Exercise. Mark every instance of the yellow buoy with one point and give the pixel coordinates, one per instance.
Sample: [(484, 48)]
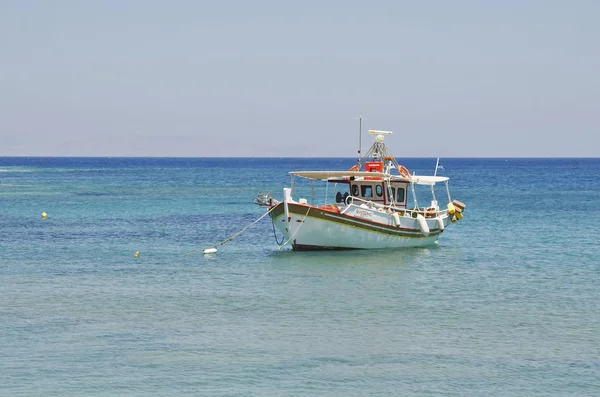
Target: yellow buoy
[(451, 208), (44, 215), (137, 253)]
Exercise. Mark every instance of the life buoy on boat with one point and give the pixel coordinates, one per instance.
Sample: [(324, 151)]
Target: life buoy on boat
[(404, 172), (355, 167)]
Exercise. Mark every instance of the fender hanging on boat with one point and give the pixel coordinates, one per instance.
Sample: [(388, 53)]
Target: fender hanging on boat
[(423, 224), (440, 222)]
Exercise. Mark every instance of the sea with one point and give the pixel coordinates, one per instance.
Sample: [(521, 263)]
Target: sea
[(506, 304)]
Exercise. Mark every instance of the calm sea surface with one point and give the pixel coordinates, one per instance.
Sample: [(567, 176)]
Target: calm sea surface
[(507, 304)]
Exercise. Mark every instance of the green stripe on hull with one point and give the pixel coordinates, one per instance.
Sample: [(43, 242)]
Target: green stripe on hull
[(328, 216)]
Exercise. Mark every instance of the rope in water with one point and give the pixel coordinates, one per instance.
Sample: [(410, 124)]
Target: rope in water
[(236, 234)]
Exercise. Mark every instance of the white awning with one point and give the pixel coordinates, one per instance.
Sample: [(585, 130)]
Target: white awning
[(325, 175), (428, 180)]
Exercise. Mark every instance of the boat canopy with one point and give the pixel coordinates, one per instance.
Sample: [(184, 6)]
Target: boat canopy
[(325, 175), (427, 180)]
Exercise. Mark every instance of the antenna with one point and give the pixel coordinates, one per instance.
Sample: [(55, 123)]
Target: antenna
[(360, 119), (359, 136)]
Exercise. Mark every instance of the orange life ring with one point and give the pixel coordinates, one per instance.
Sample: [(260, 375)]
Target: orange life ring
[(355, 168), (404, 172)]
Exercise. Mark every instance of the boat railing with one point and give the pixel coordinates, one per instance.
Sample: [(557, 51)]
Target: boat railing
[(429, 212)]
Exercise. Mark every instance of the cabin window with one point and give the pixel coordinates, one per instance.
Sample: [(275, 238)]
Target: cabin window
[(355, 190), (401, 194), (378, 190), (400, 198), (367, 190)]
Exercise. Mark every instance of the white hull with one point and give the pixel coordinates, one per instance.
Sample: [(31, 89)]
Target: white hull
[(311, 228)]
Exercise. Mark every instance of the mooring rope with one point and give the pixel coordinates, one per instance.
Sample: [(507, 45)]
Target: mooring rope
[(275, 233), (234, 235)]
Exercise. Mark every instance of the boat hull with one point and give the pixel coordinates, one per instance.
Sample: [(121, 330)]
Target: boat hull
[(312, 228)]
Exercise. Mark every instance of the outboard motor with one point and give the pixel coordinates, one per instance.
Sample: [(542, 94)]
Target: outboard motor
[(263, 200)]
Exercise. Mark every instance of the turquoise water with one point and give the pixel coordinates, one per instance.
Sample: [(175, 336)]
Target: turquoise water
[(508, 303)]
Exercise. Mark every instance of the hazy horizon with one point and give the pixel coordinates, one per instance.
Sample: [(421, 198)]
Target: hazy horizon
[(270, 79)]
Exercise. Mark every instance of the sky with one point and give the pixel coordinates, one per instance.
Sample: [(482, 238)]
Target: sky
[(290, 78)]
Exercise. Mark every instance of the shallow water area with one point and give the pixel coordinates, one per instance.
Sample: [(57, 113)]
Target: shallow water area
[(506, 304)]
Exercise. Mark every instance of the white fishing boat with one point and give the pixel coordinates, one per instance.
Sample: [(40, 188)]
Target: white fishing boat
[(373, 205)]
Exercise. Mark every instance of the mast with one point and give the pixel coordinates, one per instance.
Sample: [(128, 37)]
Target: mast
[(359, 136)]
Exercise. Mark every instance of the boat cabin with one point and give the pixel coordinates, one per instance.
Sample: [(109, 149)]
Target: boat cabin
[(371, 189)]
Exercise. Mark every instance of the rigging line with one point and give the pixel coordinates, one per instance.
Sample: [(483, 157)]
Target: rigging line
[(293, 234), (236, 234)]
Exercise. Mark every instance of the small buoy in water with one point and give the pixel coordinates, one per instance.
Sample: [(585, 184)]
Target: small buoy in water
[(209, 251), (137, 253), (44, 215)]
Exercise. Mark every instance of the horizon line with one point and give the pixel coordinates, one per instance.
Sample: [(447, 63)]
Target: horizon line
[(299, 157)]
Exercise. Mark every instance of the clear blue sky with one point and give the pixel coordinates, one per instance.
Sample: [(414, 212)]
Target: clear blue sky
[(282, 78)]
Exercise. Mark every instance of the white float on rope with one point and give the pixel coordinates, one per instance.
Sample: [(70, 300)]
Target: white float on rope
[(213, 250)]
